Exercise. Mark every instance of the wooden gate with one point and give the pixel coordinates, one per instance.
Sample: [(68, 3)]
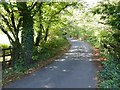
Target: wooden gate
[(7, 60)]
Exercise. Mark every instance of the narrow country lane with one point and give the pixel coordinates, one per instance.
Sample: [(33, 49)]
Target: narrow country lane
[(75, 69)]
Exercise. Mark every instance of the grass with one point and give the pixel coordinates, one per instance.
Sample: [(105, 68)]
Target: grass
[(1, 59), (42, 56)]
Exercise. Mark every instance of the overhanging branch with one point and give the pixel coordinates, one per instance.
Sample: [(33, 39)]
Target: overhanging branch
[(8, 24), (33, 6)]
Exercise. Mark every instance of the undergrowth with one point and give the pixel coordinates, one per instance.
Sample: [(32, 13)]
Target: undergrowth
[(109, 75)]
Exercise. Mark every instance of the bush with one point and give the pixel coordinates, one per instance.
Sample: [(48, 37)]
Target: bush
[(49, 49), (2, 46), (109, 76), (114, 83)]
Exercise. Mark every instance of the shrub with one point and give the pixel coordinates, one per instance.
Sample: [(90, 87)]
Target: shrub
[(2, 46), (109, 76), (49, 49)]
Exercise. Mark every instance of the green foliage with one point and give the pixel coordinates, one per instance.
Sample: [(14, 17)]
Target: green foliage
[(12, 74), (3, 46), (110, 84), (20, 20), (102, 30), (109, 15), (110, 75), (49, 49), (110, 11), (48, 20)]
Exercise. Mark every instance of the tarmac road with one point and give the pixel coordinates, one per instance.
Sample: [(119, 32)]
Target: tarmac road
[(75, 69)]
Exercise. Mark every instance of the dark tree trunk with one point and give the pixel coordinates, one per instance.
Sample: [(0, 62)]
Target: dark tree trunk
[(39, 37), (16, 53), (46, 34), (27, 34)]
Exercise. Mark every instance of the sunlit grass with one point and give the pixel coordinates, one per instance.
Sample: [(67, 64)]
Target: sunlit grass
[(7, 58), (1, 59)]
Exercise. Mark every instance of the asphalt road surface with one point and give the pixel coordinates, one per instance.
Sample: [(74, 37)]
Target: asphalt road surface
[(75, 69)]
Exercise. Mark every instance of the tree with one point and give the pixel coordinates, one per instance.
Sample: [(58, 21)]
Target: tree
[(27, 32), (18, 17), (10, 25), (39, 22), (48, 14), (109, 11)]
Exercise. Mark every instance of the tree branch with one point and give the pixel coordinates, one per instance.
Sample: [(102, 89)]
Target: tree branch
[(19, 24), (38, 7), (59, 11), (8, 24), (33, 6), (6, 7), (13, 21), (62, 9)]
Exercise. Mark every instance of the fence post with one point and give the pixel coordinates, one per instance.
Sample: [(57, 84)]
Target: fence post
[(4, 62), (12, 63), (3, 58)]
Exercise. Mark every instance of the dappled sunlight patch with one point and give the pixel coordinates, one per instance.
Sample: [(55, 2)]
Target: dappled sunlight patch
[(90, 59), (89, 86), (74, 40), (77, 59), (60, 60), (55, 67), (46, 86), (75, 47), (77, 52), (51, 67), (82, 54), (64, 70), (85, 55), (73, 50), (66, 57), (86, 50), (50, 85), (71, 53)]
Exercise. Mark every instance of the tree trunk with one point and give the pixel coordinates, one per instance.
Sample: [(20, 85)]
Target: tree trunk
[(39, 37), (16, 53), (27, 35), (46, 34)]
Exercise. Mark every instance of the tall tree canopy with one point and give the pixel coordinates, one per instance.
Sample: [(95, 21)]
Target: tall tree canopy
[(28, 23)]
